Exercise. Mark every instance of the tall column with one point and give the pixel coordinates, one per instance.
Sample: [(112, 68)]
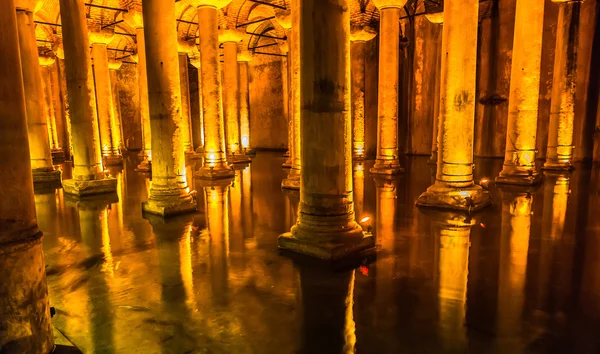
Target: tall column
[(292, 25), (111, 154), (186, 120), (387, 95), (116, 126), (194, 57), (37, 127), (559, 154), (215, 163), (359, 37), (243, 59), (168, 193), (50, 109), (454, 187), (287, 98), (88, 174), (231, 96), (25, 325), (436, 18), (519, 158), (326, 227)]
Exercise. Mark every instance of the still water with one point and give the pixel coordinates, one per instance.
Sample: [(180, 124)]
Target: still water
[(522, 276)]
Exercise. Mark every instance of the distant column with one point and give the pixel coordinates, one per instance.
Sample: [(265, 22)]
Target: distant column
[(244, 58)]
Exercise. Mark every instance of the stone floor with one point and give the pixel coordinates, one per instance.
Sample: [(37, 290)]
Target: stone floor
[(501, 281)]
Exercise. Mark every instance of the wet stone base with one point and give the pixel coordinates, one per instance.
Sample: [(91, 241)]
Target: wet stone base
[(330, 250), (85, 188)]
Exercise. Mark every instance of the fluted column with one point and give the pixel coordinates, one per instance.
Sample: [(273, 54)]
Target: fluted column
[(243, 60), (359, 37), (559, 155), (111, 153), (168, 193), (186, 120), (88, 173), (519, 158), (37, 126), (25, 325), (437, 18), (387, 95), (454, 187), (215, 163), (326, 227)]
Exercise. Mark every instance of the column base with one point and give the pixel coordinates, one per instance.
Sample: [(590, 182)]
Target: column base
[(250, 152), (358, 157), (471, 198), (85, 188), (193, 155), (144, 166), (287, 164), (220, 172), (292, 181), (113, 160), (58, 157), (170, 205), (386, 167), (345, 246), (45, 175), (558, 166), (519, 179), (238, 159)]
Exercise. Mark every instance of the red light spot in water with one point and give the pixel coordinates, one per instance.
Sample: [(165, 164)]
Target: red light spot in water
[(482, 225), (364, 270)]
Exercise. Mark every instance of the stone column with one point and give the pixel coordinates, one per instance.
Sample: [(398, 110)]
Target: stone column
[(291, 23), (111, 153), (186, 120), (287, 99), (519, 158), (559, 154), (215, 163), (243, 59), (387, 96), (231, 96), (326, 227), (168, 193), (194, 57), (359, 37), (88, 174), (25, 325), (50, 109), (117, 127), (37, 127), (436, 18), (454, 187)]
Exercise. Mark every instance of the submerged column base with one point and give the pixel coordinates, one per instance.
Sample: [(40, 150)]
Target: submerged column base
[(45, 175), (113, 159), (84, 188), (25, 325), (558, 166), (386, 167), (520, 178), (238, 158), (221, 171), (440, 195), (292, 181), (169, 202)]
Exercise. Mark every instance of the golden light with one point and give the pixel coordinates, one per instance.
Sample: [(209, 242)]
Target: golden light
[(245, 141), (365, 219)]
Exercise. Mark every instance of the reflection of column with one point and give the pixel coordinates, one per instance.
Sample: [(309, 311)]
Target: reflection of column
[(186, 120), (37, 127), (590, 278), (559, 154), (385, 213), (514, 246), (454, 187), (168, 193), (359, 189), (243, 60), (436, 18), (215, 163), (326, 226), (519, 159), (387, 97), (25, 325), (88, 175), (359, 37)]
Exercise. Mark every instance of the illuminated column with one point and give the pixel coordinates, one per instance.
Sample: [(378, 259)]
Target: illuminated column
[(559, 154), (437, 18), (25, 325), (168, 193), (231, 96), (387, 95), (194, 57), (243, 59), (37, 127), (215, 163), (50, 109), (116, 126), (358, 37), (326, 227), (186, 119), (519, 158), (292, 26), (287, 98), (88, 174), (454, 187), (104, 98)]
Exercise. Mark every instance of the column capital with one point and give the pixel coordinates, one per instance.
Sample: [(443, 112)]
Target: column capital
[(229, 35), (28, 5), (436, 17), (134, 19), (100, 37), (194, 56), (114, 64), (383, 4), (219, 4), (185, 47), (244, 56), (362, 33), (46, 60)]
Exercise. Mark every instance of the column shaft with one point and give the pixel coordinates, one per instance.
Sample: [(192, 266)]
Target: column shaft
[(358, 99), (285, 83), (231, 90), (167, 195), (215, 164), (326, 227), (454, 187), (559, 154), (244, 105), (49, 109), (387, 101), (57, 120), (186, 123), (116, 126), (37, 127), (519, 159), (146, 152), (25, 325)]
